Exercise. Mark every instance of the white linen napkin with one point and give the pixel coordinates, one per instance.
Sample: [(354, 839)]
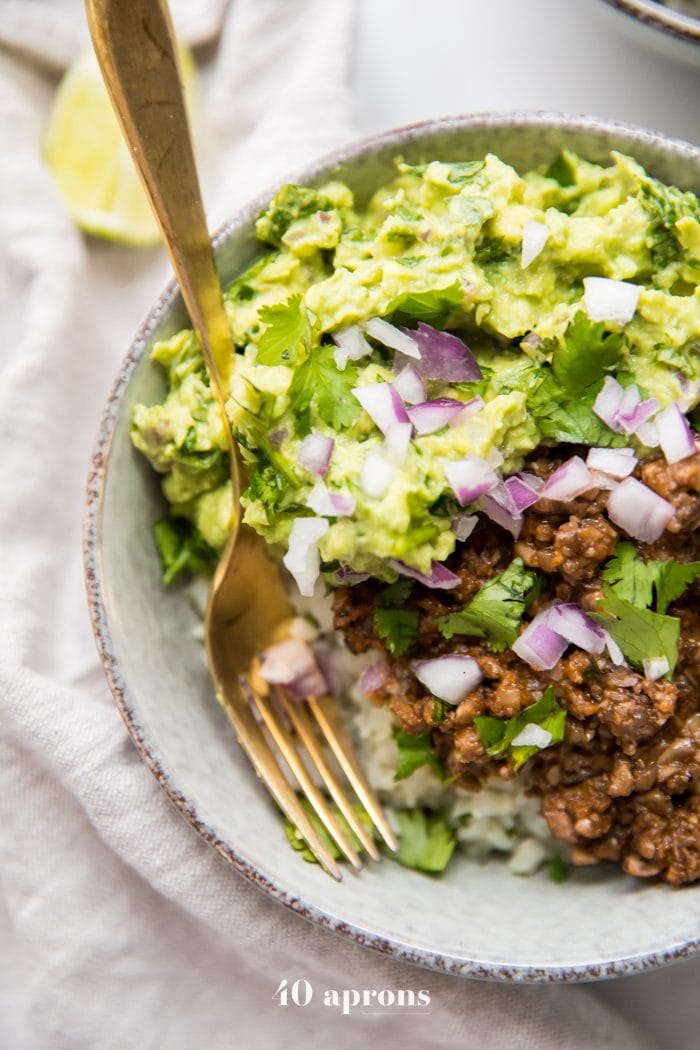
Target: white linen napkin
[(119, 926)]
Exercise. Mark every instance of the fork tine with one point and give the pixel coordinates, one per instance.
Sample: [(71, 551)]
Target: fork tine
[(340, 745), (287, 746), (299, 718), (252, 741)]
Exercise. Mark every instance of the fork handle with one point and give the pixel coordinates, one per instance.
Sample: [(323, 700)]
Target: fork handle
[(135, 47)]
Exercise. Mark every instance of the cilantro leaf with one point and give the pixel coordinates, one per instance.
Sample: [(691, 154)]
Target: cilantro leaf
[(665, 205), (558, 869), (266, 485), (432, 306), (426, 841), (297, 841), (562, 405), (640, 633), (290, 203), (497, 734), (396, 593), (439, 712), (562, 170), (287, 327), (397, 627), (635, 580), (587, 354), (318, 379), (496, 610), (182, 548), (414, 752)]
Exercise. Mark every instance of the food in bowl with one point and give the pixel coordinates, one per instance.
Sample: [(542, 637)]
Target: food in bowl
[(467, 407)]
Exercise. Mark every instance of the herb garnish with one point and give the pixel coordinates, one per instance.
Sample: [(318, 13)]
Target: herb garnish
[(496, 610), (426, 840), (651, 582), (182, 549), (414, 752), (497, 734)]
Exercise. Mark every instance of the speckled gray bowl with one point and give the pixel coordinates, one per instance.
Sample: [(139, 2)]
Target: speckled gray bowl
[(478, 921), (663, 28)]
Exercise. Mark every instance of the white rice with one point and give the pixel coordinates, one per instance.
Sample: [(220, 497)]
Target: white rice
[(499, 819)]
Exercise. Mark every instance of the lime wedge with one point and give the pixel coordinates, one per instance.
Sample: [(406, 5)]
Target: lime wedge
[(90, 162)]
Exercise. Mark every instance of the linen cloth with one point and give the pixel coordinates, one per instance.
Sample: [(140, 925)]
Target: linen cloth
[(119, 926)]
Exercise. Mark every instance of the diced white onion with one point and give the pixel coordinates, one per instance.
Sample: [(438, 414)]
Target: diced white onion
[(391, 336), (535, 235), (449, 678), (608, 300), (639, 511), (377, 475), (532, 735), (675, 436), (655, 667)]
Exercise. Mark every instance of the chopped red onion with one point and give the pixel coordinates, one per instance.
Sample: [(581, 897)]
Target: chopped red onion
[(469, 410), (330, 504), (382, 403), (463, 525), (470, 478), (539, 645), (374, 676), (655, 667), (351, 345), (393, 337), (377, 475), (532, 735), (535, 236), (409, 385), (315, 452), (603, 481), (608, 401), (440, 578), (302, 558), (568, 481), (522, 494), (633, 412), (608, 300), (499, 506), (449, 678), (396, 442), (571, 623), (648, 434), (443, 356), (292, 664), (675, 436), (531, 480), (639, 511), (430, 416), (614, 651), (348, 577), (617, 462)]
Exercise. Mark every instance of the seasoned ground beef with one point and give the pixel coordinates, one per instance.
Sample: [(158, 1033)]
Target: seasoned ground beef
[(624, 785)]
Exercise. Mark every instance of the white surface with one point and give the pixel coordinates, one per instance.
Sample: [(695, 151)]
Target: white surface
[(425, 58)]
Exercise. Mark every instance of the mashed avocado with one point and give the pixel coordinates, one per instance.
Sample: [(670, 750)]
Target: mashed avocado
[(440, 244)]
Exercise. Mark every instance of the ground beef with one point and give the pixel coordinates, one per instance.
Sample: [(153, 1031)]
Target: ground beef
[(624, 785)]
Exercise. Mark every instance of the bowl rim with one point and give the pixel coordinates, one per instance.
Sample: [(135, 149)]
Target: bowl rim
[(99, 606), (658, 16)]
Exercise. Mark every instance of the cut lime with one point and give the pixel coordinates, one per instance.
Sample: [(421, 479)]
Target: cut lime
[(90, 161)]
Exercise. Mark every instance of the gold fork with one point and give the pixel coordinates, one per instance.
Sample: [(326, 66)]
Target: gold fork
[(248, 607)]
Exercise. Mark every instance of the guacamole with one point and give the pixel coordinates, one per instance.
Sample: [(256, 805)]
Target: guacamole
[(502, 262)]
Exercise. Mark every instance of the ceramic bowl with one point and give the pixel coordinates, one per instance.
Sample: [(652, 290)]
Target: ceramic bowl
[(597, 924), (667, 30)]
